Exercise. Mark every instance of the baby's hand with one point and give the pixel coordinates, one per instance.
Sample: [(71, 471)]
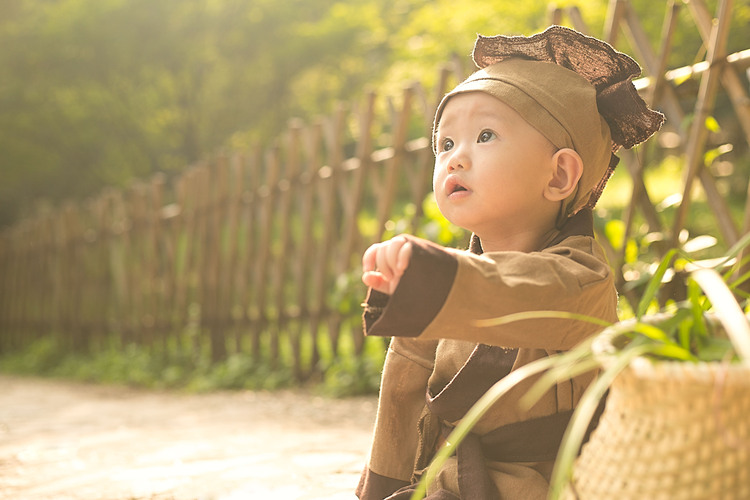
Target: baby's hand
[(384, 263)]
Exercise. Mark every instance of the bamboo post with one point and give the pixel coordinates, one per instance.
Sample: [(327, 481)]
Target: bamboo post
[(161, 254), (574, 14), (304, 257), (667, 35), (138, 277), (27, 305), (73, 278), (419, 151), (248, 168), (46, 286), (554, 14), (100, 293), (199, 180), (231, 269), (615, 13), (31, 256), (21, 282), (151, 196), (212, 196), (332, 130), (317, 246), (255, 200), (285, 256), (703, 107), (198, 188), (631, 25), (14, 291), (352, 193), (263, 262), (182, 270), (276, 262), (400, 128), (119, 256), (218, 242), (171, 219)]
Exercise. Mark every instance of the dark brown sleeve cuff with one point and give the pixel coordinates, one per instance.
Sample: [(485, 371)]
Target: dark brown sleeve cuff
[(376, 487), (420, 295)]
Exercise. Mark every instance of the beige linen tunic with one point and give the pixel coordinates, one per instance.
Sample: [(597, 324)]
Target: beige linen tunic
[(440, 362)]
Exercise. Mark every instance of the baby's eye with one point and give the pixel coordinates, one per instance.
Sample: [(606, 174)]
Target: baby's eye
[(486, 136), (446, 144)]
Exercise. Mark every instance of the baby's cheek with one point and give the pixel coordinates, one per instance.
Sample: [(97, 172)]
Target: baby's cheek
[(435, 177)]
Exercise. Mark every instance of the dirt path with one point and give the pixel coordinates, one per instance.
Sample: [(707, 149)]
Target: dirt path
[(63, 440)]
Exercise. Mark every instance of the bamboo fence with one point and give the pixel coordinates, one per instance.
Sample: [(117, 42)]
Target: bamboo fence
[(259, 251)]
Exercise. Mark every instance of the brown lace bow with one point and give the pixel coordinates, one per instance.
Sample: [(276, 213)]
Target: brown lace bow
[(610, 72)]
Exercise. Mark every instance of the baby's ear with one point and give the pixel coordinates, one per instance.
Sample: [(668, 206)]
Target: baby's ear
[(567, 170)]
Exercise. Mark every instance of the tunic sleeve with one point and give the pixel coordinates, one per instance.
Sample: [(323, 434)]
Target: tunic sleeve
[(443, 294)]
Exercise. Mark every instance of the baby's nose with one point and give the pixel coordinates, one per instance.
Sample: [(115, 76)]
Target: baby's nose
[(458, 161)]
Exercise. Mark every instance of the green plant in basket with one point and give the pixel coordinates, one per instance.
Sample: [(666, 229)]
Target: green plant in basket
[(677, 389)]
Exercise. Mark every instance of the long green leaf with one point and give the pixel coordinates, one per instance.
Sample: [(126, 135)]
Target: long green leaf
[(697, 308), (739, 280), (654, 283), (563, 369), (510, 318), (727, 309), (733, 252), (652, 332), (667, 346)]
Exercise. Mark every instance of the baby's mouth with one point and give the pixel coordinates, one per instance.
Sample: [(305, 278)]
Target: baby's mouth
[(453, 185)]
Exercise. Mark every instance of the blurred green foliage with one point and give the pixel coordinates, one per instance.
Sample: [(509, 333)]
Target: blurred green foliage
[(100, 92)]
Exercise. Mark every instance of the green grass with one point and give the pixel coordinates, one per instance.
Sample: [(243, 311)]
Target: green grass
[(341, 375)]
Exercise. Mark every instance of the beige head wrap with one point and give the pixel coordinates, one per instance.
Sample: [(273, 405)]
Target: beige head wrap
[(575, 90)]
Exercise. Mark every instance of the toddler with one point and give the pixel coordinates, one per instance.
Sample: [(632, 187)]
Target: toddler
[(523, 149)]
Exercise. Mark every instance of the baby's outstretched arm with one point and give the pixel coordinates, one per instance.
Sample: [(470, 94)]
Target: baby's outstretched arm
[(384, 263)]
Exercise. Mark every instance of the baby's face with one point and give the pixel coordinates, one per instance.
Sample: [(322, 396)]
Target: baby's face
[(491, 167)]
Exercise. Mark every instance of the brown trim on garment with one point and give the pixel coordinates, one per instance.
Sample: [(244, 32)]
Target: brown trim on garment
[(534, 440), (485, 366), (474, 481), (581, 224), (373, 486)]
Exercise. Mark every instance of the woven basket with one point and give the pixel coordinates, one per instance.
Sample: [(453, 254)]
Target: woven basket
[(670, 430)]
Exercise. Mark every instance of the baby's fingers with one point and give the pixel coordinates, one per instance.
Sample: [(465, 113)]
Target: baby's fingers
[(369, 258), (392, 249), (404, 256), (384, 263), (397, 252)]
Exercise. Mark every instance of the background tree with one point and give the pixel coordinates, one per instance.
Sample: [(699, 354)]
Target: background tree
[(99, 92)]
